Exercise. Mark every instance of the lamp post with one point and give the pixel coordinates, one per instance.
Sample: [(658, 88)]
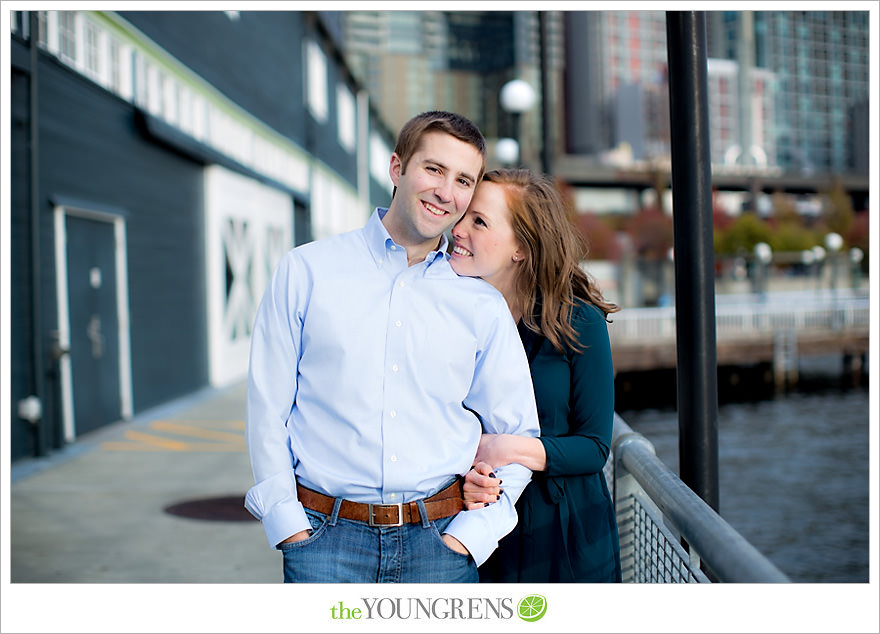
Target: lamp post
[(856, 255), (807, 258), (818, 260), (516, 97), (763, 255), (507, 151), (833, 242)]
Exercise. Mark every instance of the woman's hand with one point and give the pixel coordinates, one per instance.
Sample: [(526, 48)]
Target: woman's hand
[(480, 487)]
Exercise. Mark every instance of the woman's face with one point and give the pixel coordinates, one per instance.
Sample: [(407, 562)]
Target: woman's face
[(485, 245)]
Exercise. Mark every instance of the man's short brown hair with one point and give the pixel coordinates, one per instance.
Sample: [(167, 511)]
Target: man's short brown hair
[(460, 127)]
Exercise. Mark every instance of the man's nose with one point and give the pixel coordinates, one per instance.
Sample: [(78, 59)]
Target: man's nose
[(443, 191)]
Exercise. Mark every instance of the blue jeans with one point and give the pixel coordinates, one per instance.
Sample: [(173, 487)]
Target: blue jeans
[(347, 551)]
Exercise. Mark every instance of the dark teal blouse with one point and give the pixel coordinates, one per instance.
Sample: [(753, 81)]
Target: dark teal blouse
[(567, 531)]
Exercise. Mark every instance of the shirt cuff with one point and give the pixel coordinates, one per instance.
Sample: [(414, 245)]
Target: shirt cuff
[(275, 504), (477, 529)]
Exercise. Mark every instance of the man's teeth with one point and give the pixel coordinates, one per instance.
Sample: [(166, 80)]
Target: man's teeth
[(435, 210), (461, 251)]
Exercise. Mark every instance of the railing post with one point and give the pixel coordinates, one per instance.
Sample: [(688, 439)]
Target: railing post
[(697, 377)]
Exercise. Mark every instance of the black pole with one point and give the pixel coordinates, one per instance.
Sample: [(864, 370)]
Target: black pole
[(697, 377), (546, 97), (41, 432)]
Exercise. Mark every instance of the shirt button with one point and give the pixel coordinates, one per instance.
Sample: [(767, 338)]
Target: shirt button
[(393, 458), (393, 413), (402, 284), (393, 496), (394, 367), (397, 323)]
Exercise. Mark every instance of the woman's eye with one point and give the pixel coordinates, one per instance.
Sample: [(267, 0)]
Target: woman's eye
[(480, 221)]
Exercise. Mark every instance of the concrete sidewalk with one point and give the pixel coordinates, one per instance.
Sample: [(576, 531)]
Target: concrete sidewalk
[(154, 500)]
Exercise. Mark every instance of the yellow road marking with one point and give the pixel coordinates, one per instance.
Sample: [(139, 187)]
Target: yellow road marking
[(149, 439), (188, 447), (142, 441), (196, 432)]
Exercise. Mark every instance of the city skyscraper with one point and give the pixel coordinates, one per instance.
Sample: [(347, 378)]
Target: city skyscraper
[(411, 61), (788, 89)]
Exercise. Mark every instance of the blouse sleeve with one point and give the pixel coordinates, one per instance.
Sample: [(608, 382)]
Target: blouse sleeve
[(584, 450)]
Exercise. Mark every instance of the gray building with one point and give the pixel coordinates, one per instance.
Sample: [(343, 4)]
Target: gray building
[(820, 65), (788, 86), (161, 164)]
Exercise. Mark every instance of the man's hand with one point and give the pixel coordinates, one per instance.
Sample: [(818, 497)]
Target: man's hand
[(454, 544), (297, 537)]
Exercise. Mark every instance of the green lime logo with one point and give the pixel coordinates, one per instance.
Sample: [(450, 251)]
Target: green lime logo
[(532, 608)]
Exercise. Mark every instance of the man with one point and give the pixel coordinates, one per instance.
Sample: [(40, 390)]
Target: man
[(374, 370)]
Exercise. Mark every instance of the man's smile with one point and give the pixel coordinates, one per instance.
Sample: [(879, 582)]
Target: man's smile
[(434, 210)]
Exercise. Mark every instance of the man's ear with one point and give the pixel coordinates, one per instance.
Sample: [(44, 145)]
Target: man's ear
[(395, 169)]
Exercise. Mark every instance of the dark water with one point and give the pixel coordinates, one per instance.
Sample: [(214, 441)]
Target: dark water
[(793, 473)]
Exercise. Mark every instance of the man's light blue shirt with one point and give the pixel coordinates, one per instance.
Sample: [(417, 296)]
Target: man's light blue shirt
[(369, 380)]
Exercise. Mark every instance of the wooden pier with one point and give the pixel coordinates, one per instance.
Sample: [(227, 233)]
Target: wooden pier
[(778, 331)]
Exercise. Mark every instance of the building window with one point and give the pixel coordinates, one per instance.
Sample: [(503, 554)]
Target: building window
[(42, 28), (154, 89), (170, 99), (316, 76), (114, 71), (346, 113), (67, 35), (93, 59)]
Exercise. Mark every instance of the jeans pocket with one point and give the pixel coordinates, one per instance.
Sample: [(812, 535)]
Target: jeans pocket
[(437, 527), (318, 522)]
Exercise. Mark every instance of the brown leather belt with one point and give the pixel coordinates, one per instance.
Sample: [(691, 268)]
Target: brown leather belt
[(446, 503)]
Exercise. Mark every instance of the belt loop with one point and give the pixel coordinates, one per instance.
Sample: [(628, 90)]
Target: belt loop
[(423, 514), (334, 514)]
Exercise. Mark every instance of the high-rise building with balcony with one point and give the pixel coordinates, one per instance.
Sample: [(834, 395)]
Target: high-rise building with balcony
[(819, 66), (787, 88)]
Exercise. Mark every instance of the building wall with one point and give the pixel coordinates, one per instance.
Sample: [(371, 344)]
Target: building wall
[(192, 169), (91, 151), (251, 57)]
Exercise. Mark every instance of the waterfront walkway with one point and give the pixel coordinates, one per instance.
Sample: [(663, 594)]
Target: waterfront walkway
[(153, 500)]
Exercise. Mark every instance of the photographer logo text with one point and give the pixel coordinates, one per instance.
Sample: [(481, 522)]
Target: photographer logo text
[(530, 608)]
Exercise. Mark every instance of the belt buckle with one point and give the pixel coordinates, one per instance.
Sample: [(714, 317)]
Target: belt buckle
[(370, 516)]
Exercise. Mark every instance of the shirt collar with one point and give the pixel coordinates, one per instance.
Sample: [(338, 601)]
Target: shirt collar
[(379, 240), (377, 237)]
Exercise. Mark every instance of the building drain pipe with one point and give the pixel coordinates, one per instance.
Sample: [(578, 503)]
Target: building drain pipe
[(37, 412), (697, 374)]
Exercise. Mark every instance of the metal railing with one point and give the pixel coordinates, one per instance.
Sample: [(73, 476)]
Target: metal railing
[(657, 515), (736, 320)]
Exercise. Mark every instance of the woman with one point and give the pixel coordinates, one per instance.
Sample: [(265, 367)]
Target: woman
[(516, 236)]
